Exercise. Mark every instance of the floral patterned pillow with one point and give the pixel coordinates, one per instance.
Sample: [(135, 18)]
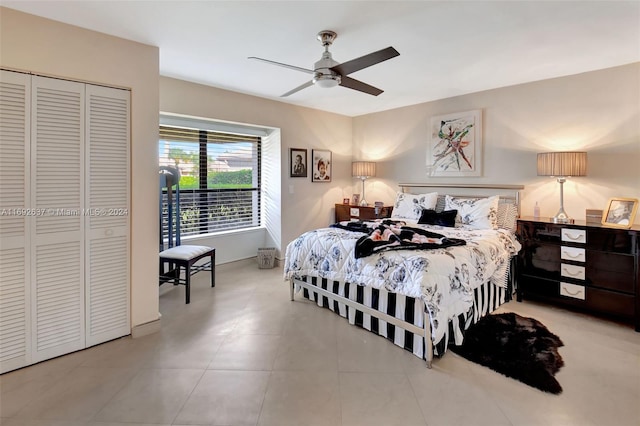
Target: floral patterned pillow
[(409, 207), (476, 213)]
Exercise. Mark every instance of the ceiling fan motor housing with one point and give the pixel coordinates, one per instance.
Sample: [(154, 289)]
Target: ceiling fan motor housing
[(323, 76)]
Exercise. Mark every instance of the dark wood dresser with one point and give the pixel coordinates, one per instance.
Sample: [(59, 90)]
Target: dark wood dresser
[(349, 212), (588, 267)]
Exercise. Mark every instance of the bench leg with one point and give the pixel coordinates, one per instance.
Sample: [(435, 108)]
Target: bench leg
[(213, 269), (187, 283)]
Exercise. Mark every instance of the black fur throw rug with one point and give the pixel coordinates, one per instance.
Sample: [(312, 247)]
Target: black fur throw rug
[(516, 346)]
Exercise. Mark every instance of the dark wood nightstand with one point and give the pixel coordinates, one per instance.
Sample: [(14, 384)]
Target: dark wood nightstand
[(589, 267), (348, 212)]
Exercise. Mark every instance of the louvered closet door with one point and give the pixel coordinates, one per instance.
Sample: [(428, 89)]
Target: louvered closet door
[(107, 224), (57, 250), (15, 344)]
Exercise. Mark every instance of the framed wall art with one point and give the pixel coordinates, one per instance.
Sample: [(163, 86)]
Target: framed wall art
[(297, 162), (455, 144), (620, 212), (321, 165)]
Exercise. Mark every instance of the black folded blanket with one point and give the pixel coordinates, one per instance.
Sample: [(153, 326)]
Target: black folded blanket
[(394, 235)]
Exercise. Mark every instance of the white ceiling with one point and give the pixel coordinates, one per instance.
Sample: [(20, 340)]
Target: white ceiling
[(446, 48)]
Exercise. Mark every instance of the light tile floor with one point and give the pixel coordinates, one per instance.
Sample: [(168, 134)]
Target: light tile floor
[(243, 354)]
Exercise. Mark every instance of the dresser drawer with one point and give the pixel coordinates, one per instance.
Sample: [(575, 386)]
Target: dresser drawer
[(572, 290), (573, 253), (572, 271), (594, 300), (574, 235), (612, 271)]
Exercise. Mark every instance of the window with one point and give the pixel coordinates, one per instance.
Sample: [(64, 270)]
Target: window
[(219, 178)]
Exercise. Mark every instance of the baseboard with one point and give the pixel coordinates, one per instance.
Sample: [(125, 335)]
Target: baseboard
[(146, 328)]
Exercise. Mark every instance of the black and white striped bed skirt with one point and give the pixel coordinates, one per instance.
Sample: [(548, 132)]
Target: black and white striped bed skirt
[(411, 310)]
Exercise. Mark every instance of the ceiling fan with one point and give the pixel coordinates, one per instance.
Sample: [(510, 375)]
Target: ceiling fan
[(329, 73)]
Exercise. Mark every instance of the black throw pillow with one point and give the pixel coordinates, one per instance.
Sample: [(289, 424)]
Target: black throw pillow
[(431, 217)]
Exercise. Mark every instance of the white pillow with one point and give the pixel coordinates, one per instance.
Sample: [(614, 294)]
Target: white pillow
[(481, 213), (409, 206)]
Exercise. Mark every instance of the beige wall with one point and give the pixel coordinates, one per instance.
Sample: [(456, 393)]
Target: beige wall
[(30, 43), (311, 204), (598, 112)]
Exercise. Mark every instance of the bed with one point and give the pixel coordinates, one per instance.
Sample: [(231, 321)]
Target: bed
[(424, 291)]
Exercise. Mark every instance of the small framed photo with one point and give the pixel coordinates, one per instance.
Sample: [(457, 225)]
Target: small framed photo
[(345, 201), (321, 165), (355, 199), (298, 162), (620, 212)]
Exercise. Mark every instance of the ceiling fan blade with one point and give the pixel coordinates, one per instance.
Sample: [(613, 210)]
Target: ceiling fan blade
[(282, 65), (354, 84), (297, 89), (365, 61)]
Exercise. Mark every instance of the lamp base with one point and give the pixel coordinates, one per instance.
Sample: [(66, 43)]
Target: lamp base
[(562, 216), (363, 203)]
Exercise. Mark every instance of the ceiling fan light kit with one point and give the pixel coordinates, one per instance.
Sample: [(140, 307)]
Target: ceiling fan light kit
[(329, 73), (326, 81)]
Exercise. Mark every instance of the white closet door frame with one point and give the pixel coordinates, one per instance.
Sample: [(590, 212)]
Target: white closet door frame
[(107, 198), (15, 307), (57, 249)]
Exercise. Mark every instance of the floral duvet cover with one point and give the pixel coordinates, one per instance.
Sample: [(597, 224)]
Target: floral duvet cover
[(444, 278)]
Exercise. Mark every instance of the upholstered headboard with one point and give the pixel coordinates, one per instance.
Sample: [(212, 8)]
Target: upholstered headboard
[(508, 193)]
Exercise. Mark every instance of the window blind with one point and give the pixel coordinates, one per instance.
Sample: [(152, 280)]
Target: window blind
[(219, 178)]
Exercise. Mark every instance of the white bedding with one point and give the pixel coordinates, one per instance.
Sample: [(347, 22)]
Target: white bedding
[(443, 278)]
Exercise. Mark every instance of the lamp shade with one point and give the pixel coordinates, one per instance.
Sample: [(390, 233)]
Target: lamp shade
[(363, 169), (562, 164)]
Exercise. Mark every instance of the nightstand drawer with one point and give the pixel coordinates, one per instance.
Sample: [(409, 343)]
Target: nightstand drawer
[(572, 290), (572, 271), (574, 235), (346, 212), (573, 253)]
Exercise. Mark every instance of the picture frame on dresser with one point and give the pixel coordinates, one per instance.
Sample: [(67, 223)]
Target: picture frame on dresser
[(620, 212)]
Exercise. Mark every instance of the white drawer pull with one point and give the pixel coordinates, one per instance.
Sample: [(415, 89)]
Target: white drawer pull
[(574, 235), (572, 290), (571, 273), (573, 253)]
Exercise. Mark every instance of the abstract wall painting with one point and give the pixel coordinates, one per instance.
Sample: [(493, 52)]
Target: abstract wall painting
[(455, 145)]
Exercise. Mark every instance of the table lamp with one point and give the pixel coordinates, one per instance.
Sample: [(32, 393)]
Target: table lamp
[(363, 170), (562, 165)]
